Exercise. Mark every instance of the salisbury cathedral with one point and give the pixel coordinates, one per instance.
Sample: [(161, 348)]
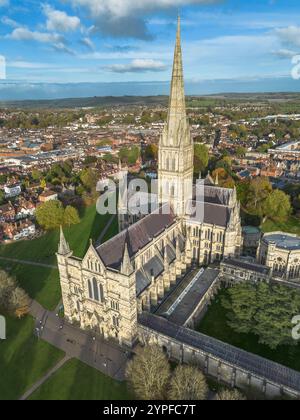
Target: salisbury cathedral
[(131, 273)]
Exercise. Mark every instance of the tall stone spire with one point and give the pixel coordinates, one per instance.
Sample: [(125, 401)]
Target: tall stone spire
[(63, 248), (176, 148), (126, 267), (177, 108)]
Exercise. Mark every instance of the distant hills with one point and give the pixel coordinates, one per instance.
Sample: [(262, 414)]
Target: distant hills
[(109, 101)]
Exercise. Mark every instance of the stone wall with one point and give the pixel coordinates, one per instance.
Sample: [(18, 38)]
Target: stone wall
[(224, 363)]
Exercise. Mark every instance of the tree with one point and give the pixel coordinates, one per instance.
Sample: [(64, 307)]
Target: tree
[(241, 151), (36, 175), (264, 310), (7, 285), (50, 215), (149, 373), (19, 302), (277, 205), (151, 152), (188, 383), (225, 163), (88, 179), (71, 216), (230, 395), (2, 197), (241, 306), (12, 298), (43, 183), (129, 155), (224, 180), (201, 158), (259, 190)]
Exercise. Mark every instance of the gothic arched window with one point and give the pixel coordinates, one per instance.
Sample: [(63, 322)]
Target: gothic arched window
[(101, 293), (174, 165), (91, 296), (96, 290), (172, 191)]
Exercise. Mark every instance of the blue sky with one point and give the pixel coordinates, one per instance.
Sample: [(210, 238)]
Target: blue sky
[(228, 45)]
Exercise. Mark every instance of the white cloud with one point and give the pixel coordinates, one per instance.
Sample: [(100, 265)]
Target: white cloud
[(24, 34), (87, 42), (4, 3), (290, 35), (127, 18), (285, 53), (124, 8), (138, 66), (9, 22), (59, 21)]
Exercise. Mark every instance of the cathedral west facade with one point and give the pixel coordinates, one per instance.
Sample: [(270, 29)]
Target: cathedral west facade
[(131, 273)]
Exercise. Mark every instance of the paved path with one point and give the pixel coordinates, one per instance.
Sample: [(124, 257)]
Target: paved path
[(103, 233), (107, 357), (44, 379), (33, 263)]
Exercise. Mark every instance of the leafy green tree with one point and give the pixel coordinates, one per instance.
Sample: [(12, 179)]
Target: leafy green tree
[(201, 158), (188, 383), (36, 175), (50, 215), (88, 179), (241, 151), (241, 306), (264, 310), (259, 190), (277, 205), (151, 151), (148, 373), (71, 216), (2, 197), (129, 155)]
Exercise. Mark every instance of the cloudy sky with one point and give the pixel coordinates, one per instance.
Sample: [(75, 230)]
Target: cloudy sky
[(227, 44)]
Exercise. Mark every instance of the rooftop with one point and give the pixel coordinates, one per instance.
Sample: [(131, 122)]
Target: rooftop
[(137, 236), (283, 240)]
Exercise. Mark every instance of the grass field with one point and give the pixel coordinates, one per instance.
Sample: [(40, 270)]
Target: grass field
[(112, 231), (291, 225), (77, 381), (23, 359), (41, 284), (44, 249), (214, 324)]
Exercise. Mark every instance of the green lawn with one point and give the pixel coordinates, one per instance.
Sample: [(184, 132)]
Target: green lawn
[(23, 359), (41, 284), (291, 225), (77, 381), (214, 324), (112, 231), (44, 248)]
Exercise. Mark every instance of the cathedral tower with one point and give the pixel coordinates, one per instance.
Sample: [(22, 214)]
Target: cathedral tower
[(176, 149)]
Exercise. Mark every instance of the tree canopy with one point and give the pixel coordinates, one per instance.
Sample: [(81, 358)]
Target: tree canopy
[(264, 310), (148, 373), (188, 383), (201, 158), (52, 215)]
